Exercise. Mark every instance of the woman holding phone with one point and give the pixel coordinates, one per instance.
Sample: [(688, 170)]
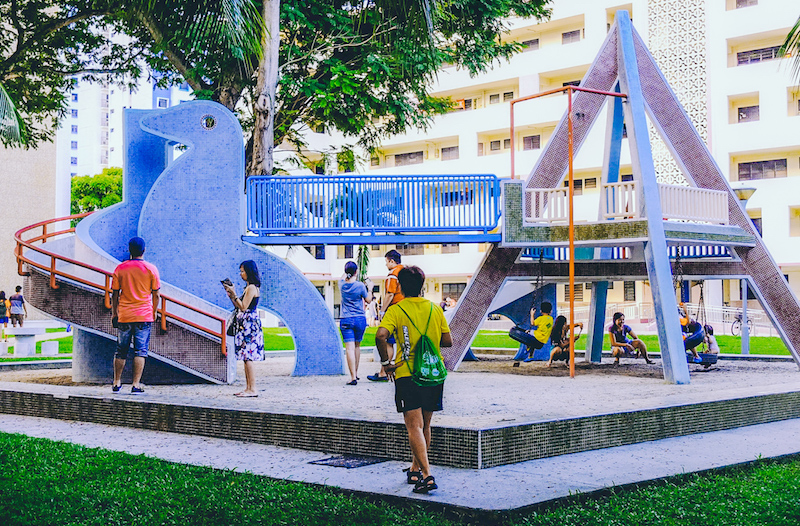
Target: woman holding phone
[(249, 339)]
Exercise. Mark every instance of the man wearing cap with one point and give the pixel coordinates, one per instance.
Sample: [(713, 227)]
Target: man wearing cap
[(134, 300)]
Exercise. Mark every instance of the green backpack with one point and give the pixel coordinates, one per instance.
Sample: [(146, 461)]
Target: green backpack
[(428, 368)]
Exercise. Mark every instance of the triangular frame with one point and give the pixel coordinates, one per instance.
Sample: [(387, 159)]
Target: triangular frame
[(624, 62)]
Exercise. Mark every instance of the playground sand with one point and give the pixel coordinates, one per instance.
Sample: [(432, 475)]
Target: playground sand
[(480, 394)]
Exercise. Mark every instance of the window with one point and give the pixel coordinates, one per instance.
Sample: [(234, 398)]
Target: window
[(73, 174), (578, 186), (74, 114), (319, 169), (453, 290), (375, 247), (578, 292), (318, 251), (748, 113), (494, 99), (480, 149), (745, 3), (74, 128), (506, 144), (794, 221), (762, 170), (532, 142), (531, 45), (411, 249), (624, 131), (571, 83), (494, 146), (319, 128), (405, 159), (73, 161), (626, 178), (757, 55), (348, 252), (450, 248), (184, 86), (73, 145), (375, 161), (468, 104), (508, 95), (320, 289), (590, 183), (758, 224), (74, 97), (162, 103), (450, 153), (629, 293), (571, 36)]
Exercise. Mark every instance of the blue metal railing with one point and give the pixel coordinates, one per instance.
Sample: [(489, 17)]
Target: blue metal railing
[(372, 204)]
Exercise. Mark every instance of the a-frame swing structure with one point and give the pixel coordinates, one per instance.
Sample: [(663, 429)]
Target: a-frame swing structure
[(640, 216)]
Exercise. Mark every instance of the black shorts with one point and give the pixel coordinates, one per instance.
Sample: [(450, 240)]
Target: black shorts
[(535, 344), (409, 396)]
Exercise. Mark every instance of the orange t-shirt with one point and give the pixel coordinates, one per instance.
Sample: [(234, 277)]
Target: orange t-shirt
[(393, 285), (136, 279)]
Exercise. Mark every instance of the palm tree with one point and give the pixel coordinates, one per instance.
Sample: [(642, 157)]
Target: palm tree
[(12, 129), (791, 48)]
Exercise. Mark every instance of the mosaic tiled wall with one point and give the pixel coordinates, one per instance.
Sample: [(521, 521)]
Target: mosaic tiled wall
[(463, 448), (677, 41), (79, 305)]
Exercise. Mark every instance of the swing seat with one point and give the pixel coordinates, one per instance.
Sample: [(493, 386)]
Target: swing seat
[(519, 334), (706, 359)]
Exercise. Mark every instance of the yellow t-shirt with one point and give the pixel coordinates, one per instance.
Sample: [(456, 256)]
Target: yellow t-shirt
[(544, 326), (397, 323)]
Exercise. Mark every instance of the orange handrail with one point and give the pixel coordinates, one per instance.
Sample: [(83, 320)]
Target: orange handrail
[(106, 276)]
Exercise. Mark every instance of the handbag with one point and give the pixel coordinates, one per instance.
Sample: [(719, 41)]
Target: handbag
[(233, 323)]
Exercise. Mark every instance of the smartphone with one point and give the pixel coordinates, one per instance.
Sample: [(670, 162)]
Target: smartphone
[(226, 281)]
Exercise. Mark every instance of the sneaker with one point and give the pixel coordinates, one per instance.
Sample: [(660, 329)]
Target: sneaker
[(698, 360), (116, 388), (137, 390), (378, 378)]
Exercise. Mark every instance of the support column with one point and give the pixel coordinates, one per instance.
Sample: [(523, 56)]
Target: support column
[(745, 329), (597, 317)]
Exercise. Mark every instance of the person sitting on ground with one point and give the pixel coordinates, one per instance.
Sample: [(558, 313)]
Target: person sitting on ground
[(559, 339), (711, 341), (543, 326), (624, 341)]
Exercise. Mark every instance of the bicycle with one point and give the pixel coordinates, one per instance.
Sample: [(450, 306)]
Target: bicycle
[(736, 326)]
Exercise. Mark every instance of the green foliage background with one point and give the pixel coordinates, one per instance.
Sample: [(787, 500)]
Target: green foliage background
[(93, 192)]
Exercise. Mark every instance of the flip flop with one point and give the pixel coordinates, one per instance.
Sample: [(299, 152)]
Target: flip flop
[(246, 395)]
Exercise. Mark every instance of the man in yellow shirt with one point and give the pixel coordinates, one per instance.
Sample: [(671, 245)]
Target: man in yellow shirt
[(417, 403)]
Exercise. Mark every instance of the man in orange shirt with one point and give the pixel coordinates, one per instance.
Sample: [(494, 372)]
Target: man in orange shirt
[(392, 296), (134, 300)]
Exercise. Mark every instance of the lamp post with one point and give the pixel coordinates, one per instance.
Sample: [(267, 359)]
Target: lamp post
[(744, 193)]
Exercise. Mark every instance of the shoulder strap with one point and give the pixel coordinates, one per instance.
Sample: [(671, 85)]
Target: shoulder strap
[(412, 321)]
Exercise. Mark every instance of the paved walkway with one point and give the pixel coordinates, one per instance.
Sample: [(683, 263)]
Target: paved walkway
[(505, 488)]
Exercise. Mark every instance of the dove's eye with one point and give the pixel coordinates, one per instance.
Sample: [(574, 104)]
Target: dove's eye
[(208, 122)]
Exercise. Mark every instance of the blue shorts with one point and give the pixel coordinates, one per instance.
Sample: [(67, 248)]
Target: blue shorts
[(353, 328), (137, 332)]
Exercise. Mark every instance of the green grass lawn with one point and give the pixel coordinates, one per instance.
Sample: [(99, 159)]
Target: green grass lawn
[(64, 347), (45, 482)]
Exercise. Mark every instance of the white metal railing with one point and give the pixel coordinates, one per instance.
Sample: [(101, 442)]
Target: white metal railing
[(619, 201), (549, 205), (622, 201), (690, 203)]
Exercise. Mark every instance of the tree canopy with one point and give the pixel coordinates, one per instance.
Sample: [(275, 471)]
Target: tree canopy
[(93, 192)]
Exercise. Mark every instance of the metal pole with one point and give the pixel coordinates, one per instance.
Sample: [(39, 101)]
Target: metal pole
[(571, 244), (745, 330), (512, 139)]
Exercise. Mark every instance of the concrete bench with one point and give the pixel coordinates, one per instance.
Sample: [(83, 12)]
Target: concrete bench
[(25, 339)]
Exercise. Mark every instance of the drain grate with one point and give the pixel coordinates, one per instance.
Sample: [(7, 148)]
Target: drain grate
[(348, 461)]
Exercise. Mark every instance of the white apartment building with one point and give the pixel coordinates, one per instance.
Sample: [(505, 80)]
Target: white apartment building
[(720, 56)]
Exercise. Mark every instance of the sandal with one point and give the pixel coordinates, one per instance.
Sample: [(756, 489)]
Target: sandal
[(413, 477), (425, 485)]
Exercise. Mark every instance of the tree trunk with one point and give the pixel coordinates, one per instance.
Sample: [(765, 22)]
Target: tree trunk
[(266, 87)]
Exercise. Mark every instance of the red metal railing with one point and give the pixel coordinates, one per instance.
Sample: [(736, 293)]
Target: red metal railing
[(104, 276)]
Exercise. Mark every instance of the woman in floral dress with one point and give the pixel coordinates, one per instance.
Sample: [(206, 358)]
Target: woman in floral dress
[(249, 339)]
